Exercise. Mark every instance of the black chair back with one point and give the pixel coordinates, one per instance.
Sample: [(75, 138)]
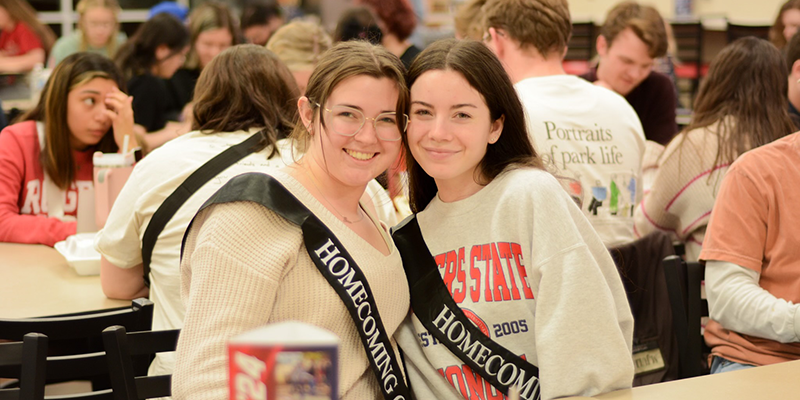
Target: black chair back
[(75, 350), (736, 31), (684, 285), (29, 357), (122, 347)]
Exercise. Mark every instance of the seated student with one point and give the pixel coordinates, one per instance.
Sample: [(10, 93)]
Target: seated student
[(212, 28), (46, 161), (792, 54), (98, 31), (24, 41), (786, 23), (228, 110), (300, 44), (631, 38), (484, 204), (589, 136), (396, 20), (741, 105), (154, 53), (260, 21), (245, 265), (752, 252)]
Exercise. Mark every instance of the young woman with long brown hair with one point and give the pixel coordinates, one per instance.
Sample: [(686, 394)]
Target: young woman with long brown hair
[(46, 160), (741, 105)]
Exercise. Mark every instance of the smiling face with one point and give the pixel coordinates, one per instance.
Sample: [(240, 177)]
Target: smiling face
[(624, 63), (210, 43), (86, 112), (352, 161), (449, 130), (99, 23)]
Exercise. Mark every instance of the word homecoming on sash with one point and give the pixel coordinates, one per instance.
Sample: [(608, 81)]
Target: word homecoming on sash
[(340, 268), (506, 372)]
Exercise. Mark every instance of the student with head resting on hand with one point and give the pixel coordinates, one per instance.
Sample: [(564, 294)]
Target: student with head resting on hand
[(24, 41), (46, 160), (247, 262), (228, 110), (741, 105), (506, 246), (98, 31), (153, 54)]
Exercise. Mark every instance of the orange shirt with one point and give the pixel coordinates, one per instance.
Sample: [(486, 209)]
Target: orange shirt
[(755, 225)]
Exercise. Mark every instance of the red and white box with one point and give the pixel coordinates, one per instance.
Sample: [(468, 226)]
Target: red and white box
[(285, 361)]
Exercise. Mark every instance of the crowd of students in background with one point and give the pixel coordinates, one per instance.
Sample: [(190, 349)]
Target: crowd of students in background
[(501, 156)]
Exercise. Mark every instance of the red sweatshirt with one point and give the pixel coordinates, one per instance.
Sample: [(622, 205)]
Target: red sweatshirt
[(23, 206)]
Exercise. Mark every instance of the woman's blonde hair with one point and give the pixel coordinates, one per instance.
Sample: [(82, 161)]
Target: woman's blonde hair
[(21, 11), (207, 16), (300, 44), (85, 5)]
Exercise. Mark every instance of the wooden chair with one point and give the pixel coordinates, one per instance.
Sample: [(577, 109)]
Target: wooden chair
[(28, 356), (75, 350), (684, 285), (122, 347)]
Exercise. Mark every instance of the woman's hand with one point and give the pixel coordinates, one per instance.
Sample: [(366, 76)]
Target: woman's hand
[(120, 111)]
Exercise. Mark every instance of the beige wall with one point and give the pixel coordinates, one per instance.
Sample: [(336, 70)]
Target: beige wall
[(747, 11)]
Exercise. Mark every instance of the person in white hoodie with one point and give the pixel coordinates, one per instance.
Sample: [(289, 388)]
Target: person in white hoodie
[(590, 136)]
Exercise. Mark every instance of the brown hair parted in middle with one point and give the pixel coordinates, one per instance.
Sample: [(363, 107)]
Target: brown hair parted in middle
[(481, 68), (776, 34), (645, 22), (71, 72), (542, 24), (346, 60), (246, 86)]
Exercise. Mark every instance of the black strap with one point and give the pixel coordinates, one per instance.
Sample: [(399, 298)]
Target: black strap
[(438, 312), (195, 181), (334, 263)]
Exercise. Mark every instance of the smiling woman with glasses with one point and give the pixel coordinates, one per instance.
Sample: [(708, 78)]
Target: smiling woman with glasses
[(98, 31), (247, 262)]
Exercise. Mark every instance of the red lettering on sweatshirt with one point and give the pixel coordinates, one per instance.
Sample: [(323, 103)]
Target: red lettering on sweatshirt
[(496, 273)]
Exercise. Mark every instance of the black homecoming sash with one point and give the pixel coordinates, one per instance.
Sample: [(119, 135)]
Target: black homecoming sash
[(334, 263), (435, 308)]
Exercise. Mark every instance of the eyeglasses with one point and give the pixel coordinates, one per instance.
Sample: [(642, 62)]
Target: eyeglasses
[(348, 121)]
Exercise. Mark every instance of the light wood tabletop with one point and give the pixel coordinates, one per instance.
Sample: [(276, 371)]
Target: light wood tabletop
[(777, 381), (36, 281)]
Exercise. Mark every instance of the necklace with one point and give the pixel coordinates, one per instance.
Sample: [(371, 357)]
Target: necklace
[(344, 218)]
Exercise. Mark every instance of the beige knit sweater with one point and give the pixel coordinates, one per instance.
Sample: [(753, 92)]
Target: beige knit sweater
[(244, 266), (683, 190)]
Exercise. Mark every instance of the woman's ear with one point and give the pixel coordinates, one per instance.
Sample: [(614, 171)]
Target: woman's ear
[(162, 52), (306, 111), (496, 129)]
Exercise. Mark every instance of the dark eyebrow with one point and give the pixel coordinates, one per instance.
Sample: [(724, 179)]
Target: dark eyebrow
[(89, 91), (424, 104)]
